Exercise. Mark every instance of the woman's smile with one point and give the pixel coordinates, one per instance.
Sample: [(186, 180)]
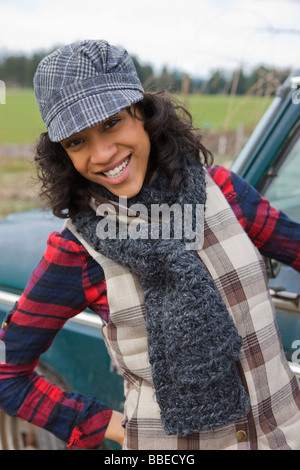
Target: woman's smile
[(118, 173), (114, 153)]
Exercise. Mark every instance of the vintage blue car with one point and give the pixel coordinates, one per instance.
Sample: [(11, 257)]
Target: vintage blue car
[(270, 161)]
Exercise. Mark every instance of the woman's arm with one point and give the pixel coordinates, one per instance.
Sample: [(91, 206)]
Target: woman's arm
[(115, 430), (271, 231), (64, 283)]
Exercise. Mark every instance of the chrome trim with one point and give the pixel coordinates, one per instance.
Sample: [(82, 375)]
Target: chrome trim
[(92, 320), (88, 319), (7, 298), (83, 318)]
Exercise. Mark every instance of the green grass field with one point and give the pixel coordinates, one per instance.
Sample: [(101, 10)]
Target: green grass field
[(20, 121), (222, 113)]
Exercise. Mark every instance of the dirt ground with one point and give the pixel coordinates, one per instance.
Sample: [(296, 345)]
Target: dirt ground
[(19, 188)]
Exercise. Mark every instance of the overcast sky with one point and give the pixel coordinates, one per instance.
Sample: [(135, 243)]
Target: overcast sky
[(195, 36)]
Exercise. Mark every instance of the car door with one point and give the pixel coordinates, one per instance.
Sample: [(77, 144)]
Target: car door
[(281, 186)]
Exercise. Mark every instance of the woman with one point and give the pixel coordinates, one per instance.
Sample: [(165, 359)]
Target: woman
[(189, 320)]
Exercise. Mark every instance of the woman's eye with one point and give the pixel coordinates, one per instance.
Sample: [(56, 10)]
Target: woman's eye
[(111, 123), (74, 142)]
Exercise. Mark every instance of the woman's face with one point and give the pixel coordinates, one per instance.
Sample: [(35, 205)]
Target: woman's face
[(114, 153)]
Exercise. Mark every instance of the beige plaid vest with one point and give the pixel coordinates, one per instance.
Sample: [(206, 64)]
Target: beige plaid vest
[(238, 271)]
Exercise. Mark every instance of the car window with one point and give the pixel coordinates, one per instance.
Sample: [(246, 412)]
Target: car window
[(283, 191)]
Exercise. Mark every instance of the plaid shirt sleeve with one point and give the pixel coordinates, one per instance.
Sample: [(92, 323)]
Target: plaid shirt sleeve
[(271, 231), (65, 282)]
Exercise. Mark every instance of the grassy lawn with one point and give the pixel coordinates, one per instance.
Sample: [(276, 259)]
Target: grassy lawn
[(20, 121), (224, 113)]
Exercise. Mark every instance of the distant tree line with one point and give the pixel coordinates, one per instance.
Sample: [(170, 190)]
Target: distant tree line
[(18, 70)]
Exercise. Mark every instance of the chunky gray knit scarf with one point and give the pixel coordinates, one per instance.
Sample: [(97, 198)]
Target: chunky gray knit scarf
[(193, 343)]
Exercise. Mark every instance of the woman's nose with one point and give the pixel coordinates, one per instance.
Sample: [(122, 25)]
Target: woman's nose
[(102, 150)]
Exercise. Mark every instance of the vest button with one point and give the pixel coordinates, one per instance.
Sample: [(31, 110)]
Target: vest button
[(241, 436)]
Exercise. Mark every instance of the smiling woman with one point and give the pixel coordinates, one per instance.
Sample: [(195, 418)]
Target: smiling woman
[(114, 153), (190, 328), (145, 144)]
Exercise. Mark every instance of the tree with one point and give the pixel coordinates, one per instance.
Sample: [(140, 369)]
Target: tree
[(18, 70), (145, 72), (216, 83)]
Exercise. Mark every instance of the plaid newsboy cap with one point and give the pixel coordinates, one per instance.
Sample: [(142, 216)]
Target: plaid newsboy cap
[(84, 83)]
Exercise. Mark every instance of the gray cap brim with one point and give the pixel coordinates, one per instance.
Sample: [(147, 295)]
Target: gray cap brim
[(89, 111)]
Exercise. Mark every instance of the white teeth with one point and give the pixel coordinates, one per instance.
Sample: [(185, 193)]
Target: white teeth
[(115, 172)]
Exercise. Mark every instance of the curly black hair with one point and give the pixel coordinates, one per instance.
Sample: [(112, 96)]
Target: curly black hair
[(172, 135)]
